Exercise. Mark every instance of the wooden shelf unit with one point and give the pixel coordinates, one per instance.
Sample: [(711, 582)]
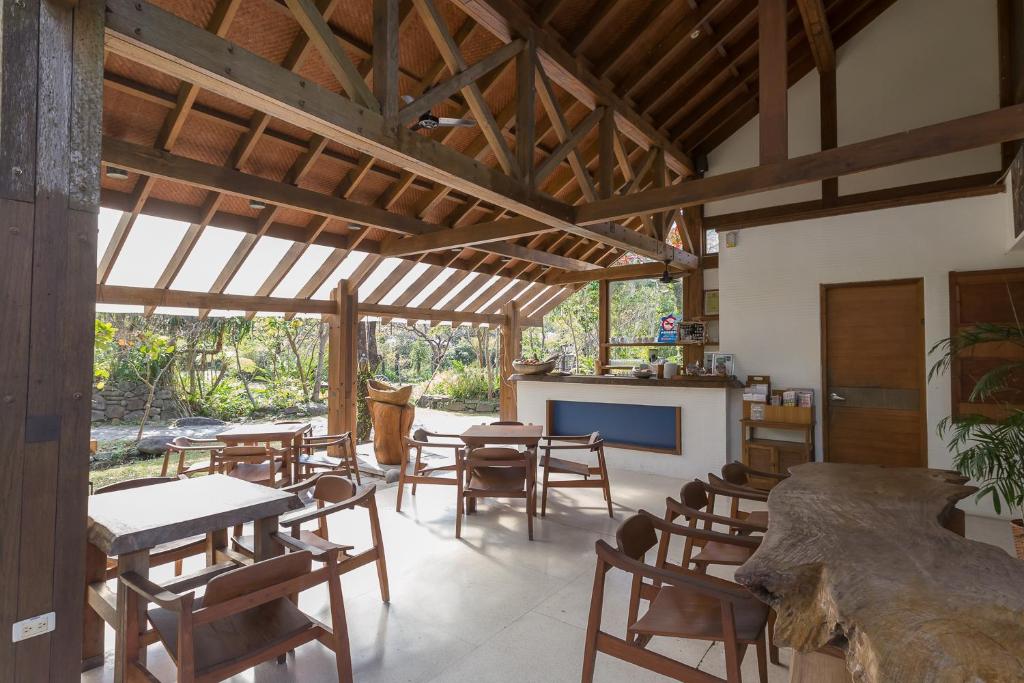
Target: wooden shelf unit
[(778, 455)]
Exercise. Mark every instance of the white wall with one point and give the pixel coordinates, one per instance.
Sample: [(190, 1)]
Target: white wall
[(920, 62)]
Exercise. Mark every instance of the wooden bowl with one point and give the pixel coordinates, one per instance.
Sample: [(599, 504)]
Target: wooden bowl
[(538, 369), (385, 393)]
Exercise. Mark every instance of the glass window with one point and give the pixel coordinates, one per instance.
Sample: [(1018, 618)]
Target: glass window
[(636, 309)]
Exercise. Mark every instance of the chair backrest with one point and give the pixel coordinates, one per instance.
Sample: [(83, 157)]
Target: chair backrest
[(493, 456), (331, 488), (636, 536), (420, 434), (694, 495), (249, 453), (735, 473), (256, 577), (181, 441), (133, 484)]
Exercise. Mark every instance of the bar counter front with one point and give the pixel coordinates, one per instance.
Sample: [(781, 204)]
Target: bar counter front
[(676, 427)]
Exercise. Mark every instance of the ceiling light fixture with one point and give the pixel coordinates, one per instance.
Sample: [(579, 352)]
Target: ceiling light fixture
[(257, 204), (695, 35), (117, 173), (355, 226)]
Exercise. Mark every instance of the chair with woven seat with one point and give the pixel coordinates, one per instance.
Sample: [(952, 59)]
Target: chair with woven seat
[(255, 464), (330, 494), (334, 452), (694, 506), (183, 446), (499, 473), (246, 616), (594, 476), (447, 474), (680, 604), (165, 553)]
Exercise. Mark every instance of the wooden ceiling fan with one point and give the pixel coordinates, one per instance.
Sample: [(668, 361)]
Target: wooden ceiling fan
[(429, 121)]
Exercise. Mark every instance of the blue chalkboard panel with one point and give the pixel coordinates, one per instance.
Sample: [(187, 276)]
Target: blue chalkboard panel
[(648, 428)]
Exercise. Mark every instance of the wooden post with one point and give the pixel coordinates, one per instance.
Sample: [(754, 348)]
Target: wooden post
[(343, 366), (693, 286), (606, 155), (526, 105), (772, 80), (51, 102), (385, 57), (603, 332), (511, 348), (829, 131)]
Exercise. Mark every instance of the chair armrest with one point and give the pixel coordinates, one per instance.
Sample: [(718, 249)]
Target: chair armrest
[(740, 525), (302, 485), (291, 543), (580, 437), (723, 488), (302, 516), (315, 441), (767, 475), (567, 447), (215, 444), (702, 583), (152, 592)]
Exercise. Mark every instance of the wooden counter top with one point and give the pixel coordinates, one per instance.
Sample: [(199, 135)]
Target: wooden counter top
[(860, 551), (627, 381)]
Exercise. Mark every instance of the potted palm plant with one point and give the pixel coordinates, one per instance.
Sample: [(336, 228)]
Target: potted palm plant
[(990, 451)]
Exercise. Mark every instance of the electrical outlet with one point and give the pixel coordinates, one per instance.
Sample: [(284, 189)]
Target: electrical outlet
[(33, 626)]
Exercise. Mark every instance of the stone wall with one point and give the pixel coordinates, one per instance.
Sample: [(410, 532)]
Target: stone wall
[(460, 406), (126, 402)]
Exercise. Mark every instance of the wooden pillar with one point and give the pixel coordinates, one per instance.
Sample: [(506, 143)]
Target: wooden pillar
[(772, 81), (343, 366), (511, 348), (51, 102), (526, 106), (829, 131), (385, 57), (1011, 62), (693, 286), (603, 332), (606, 155)]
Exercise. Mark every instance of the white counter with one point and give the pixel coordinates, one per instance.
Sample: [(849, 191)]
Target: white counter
[(704, 412)]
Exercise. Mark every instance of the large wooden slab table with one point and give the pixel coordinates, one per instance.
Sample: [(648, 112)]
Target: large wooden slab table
[(128, 524), (862, 552), (288, 434), (503, 435)]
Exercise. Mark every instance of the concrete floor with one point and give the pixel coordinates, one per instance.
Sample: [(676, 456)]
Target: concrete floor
[(491, 607)]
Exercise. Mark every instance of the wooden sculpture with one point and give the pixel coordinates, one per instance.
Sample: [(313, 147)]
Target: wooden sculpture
[(391, 424), (860, 552)]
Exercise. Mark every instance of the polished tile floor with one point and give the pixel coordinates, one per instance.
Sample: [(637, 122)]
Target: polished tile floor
[(491, 607)]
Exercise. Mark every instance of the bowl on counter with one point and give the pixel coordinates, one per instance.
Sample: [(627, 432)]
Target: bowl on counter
[(534, 368)]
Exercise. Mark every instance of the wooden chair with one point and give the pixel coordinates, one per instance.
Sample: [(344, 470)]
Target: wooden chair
[(256, 464), (681, 604), (721, 487), (332, 494), (499, 473), (694, 506), (184, 445), (246, 615), (165, 553), (738, 474), (315, 454), (592, 444), (422, 473)]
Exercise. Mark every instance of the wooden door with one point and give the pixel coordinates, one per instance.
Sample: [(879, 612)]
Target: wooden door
[(873, 373)]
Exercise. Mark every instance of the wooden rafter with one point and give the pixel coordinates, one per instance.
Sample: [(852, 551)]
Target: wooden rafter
[(961, 134), (386, 27), (556, 116), (818, 34), (568, 145), (772, 81)]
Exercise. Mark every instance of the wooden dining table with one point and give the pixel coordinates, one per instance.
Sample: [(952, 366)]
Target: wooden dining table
[(129, 524), (503, 435), (288, 434)]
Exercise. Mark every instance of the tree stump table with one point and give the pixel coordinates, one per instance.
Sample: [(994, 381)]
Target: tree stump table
[(391, 424), (860, 552)]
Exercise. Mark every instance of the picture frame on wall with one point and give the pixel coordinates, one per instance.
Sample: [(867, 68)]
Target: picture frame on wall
[(724, 364), (710, 302)]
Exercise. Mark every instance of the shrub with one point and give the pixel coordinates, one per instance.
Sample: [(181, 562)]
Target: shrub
[(464, 383)]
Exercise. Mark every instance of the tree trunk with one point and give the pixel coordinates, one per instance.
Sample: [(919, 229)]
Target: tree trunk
[(241, 375), (321, 347), (298, 364)]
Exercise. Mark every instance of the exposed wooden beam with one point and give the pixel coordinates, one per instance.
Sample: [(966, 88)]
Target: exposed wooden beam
[(438, 30), (339, 63), (525, 114), (631, 272), (606, 156), (153, 37), (969, 132), (978, 185), (462, 79), (385, 56), (556, 116), (568, 145), (173, 167), (818, 34), (176, 298), (597, 19), (431, 314), (468, 236), (772, 81), (507, 19), (516, 251), (829, 108)]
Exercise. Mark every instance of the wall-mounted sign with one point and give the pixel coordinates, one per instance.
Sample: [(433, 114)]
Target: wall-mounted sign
[(668, 332)]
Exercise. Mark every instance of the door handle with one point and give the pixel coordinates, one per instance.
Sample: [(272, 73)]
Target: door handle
[(835, 397)]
